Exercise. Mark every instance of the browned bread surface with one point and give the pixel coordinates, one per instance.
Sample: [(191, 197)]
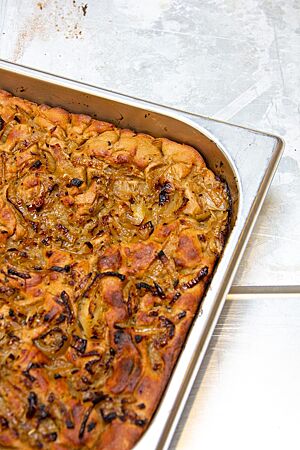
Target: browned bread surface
[(108, 239)]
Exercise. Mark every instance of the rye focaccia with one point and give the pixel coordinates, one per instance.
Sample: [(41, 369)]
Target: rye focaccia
[(108, 239)]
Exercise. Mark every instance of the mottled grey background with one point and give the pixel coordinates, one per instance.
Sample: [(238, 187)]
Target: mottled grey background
[(237, 60)]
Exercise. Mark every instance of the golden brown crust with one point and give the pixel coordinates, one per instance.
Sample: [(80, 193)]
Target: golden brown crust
[(108, 239)]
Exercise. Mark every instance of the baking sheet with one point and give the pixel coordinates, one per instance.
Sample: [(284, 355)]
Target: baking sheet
[(247, 159)]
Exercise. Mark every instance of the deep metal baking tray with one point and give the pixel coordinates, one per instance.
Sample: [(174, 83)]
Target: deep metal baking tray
[(247, 159)]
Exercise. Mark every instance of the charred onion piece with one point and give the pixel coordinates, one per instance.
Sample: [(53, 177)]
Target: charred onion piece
[(16, 273), (175, 297), (69, 424), (143, 285), (3, 423), (84, 421), (76, 182), (32, 405), (89, 245), (191, 283), (64, 300), (95, 397), (30, 366), (79, 344), (140, 422), (61, 269), (162, 256), (111, 274), (118, 337), (108, 418), (52, 343), (42, 413), (181, 315), (50, 437), (36, 165), (185, 201), (148, 226), (159, 291), (91, 426), (165, 190), (156, 289), (168, 324), (138, 338), (89, 365)]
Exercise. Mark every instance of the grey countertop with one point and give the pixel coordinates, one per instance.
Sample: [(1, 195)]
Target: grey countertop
[(238, 61)]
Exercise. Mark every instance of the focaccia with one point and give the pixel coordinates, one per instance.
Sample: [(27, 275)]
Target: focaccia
[(108, 239)]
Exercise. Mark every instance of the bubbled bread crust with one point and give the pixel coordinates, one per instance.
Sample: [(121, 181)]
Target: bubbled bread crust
[(108, 239)]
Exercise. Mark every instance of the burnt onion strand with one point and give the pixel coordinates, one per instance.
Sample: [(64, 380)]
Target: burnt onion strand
[(111, 274), (16, 273), (84, 422), (156, 290), (194, 281), (64, 300)]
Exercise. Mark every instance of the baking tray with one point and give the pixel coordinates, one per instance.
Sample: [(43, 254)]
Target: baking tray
[(247, 159)]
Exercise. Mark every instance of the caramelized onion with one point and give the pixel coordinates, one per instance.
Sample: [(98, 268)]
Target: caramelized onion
[(53, 343)]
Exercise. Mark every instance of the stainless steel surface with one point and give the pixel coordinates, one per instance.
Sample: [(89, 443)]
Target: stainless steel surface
[(236, 61), (222, 142), (246, 395), (232, 60)]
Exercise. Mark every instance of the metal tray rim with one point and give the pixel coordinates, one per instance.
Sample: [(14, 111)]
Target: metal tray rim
[(232, 253), (176, 114), (124, 98)]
